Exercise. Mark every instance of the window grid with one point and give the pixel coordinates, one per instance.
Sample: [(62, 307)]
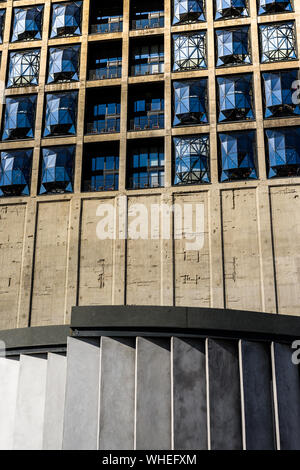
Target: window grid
[(127, 35)]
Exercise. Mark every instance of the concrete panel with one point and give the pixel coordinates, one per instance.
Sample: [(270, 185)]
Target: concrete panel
[(29, 418), (258, 406), (153, 394), (12, 219), (241, 250), (117, 394), (82, 395), (192, 265), (96, 258), (224, 395), (50, 266), (9, 376), (288, 397), (143, 283), (55, 402), (189, 394), (285, 203)]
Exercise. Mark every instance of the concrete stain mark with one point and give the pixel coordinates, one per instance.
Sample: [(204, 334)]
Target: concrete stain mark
[(284, 190), (233, 274), (191, 256), (101, 275), (188, 279), (233, 199)]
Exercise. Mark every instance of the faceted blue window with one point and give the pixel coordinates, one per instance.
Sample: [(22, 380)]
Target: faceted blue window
[(57, 170), (66, 19), (2, 21), (63, 64), (19, 118), (27, 23), (233, 46), (278, 94), (189, 51), (15, 172), (61, 114), (190, 102), (188, 11), (191, 165), (23, 68), (283, 152), (231, 9), (237, 156), (277, 42), (146, 165), (235, 98), (274, 6)]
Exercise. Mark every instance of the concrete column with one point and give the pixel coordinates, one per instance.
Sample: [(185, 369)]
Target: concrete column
[(189, 394), (153, 394), (82, 395), (214, 198), (117, 394), (55, 402), (9, 376), (29, 417), (168, 93), (124, 92), (224, 395), (287, 397), (256, 377)]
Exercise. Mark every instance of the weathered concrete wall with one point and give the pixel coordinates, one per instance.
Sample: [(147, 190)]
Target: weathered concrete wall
[(96, 259), (70, 264), (241, 249), (50, 264), (50, 256), (285, 202), (12, 226)]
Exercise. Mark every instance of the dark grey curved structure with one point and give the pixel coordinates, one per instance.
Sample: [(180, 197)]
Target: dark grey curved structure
[(152, 378)]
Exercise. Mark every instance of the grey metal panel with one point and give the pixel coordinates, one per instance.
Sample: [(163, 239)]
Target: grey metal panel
[(9, 376), (130, 316), (117, 394), (153, 394), (210, 319), (82, 395), (35, 336), (224, 395), (257, 390), (29, 418), (189, 394), (55, 402), (288, 397)]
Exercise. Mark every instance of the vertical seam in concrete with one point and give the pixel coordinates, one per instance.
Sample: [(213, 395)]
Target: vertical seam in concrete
[(273, 252)]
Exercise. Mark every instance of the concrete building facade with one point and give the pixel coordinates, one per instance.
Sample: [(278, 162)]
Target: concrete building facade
[(81, 82)]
